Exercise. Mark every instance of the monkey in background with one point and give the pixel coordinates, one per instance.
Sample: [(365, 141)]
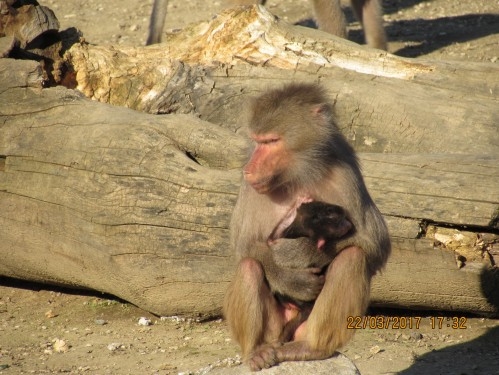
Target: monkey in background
[(157, 21), (299, 156), (328, 13)]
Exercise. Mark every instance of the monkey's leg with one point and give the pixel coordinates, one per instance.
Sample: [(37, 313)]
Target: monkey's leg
[(330, 17), (157, 21), (345, 294), (370, 15), (252, 312)]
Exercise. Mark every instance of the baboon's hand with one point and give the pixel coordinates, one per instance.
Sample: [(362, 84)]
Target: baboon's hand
[(263, 357)]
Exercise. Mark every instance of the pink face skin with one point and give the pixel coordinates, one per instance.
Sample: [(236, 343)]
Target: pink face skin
[(268, 158)]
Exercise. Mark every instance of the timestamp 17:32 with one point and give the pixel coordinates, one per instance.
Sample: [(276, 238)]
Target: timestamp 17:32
[(404, 322)]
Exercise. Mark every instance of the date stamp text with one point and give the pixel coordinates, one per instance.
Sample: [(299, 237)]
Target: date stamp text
[(405, 322)]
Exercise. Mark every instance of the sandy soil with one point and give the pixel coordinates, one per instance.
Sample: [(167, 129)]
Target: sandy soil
[(46, 330)]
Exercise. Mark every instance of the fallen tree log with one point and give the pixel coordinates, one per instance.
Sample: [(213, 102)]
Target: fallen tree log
[(137, 205), (384, 103)]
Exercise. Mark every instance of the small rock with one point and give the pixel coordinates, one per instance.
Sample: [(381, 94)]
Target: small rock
[(375, 350), (100, 322), (144, 321), (416, 335), (114, 346), (50, 314), (60, 346)]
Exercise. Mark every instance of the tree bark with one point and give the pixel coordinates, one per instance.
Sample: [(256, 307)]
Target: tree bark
[(384, 103), (138, 205)]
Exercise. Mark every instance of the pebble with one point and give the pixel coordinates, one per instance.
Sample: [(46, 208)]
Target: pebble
[(375, 350), (50, 314), (144, 321), (416, 335), (60, 346), (114, 346)]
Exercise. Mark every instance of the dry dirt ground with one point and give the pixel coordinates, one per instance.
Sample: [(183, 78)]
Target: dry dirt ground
[(45, 330)]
